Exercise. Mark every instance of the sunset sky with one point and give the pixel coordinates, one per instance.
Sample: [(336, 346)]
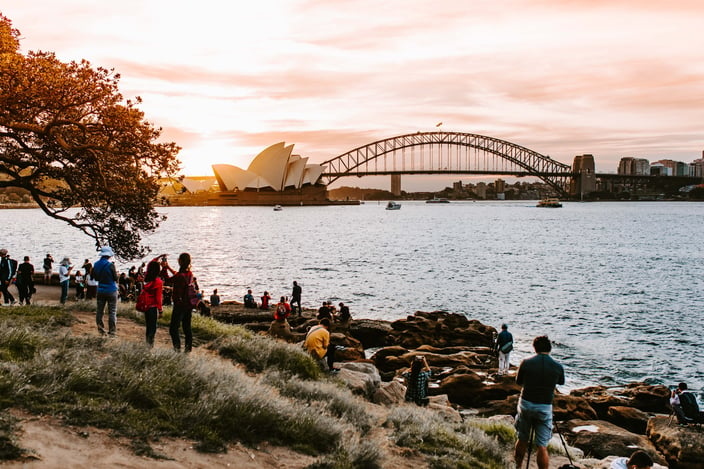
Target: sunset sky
[(227, 79)]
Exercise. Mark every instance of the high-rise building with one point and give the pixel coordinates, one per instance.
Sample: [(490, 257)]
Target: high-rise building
[(637, 166)]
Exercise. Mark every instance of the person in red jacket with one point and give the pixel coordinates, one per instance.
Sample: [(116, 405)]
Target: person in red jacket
[(153, 287)]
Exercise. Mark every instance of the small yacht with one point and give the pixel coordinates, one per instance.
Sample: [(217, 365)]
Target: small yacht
[(550, 202), (393, 206), (278, 208)]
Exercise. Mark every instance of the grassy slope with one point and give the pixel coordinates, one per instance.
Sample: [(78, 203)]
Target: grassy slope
[(274, 393)]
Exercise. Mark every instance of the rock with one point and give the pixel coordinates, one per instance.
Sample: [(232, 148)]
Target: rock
[(566, 407), (648, 398), (439, 329), (441, 405), (683, 447), (470, 390), (281, 330), (601, 439), (600, 399), (352, 351), (391, 393), (361, 378), (371, 333), (630, 418)]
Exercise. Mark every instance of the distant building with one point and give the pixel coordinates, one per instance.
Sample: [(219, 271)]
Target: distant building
[(634, 166), (480, 190), (500, 186), (696, 168), (674, 168)]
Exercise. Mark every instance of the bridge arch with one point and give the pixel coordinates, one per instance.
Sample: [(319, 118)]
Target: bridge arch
[(505, 158)]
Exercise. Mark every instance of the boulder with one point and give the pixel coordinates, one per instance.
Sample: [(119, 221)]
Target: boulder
[(387, 359), (441, 405), (600, 399), (471, 390), (630, 418), (391, 393), (566, 407), (682, 446), (352, 348), (280, 330), (439, 329), (648, 398), (600, 439), (361, 378), (371, 333)]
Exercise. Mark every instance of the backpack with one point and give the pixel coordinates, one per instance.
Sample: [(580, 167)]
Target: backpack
[(142, 302), (689, 406), (192, 293), (280, 312)]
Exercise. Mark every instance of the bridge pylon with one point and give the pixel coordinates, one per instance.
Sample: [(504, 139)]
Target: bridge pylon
[(396, 184)]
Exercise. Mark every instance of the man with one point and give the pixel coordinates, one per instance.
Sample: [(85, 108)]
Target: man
[(105, 273), (249, 300), (48, 262), (296, 298), (638, 460), (8, 270), (684, 405), (215, 298), (324, 312), (25, 280), (538, 375), (65, 268), (504, 345), (317, 343)]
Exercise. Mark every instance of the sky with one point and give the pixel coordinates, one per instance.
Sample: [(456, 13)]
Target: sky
[(225, 80)]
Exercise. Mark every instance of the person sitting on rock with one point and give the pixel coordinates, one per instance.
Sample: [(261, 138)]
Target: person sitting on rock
[(324, 312), (265, 300), (638, 460), (249, 300), (283, 310), (684, 405), (416, 379)]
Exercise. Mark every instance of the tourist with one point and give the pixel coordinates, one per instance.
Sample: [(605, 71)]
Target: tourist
[(47, 265), (684, 405), (25, 280), (79, 281), (296, 298), (265, 300), (324, 312), (153, 290), (183, 307), (166, 276), (105, 274), (283, 310), (64, 278), (91, 283), (538, 375), (416, 378), (8, 270), (317, 342), (215, 298), (123, 284), (638, 460), (249, 300), (344, 316), (504, 345)]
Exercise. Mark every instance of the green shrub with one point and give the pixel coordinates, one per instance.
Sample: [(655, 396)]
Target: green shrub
[(9, 448)]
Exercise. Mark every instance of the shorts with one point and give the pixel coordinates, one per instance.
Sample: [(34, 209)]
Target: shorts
[(538, 416)]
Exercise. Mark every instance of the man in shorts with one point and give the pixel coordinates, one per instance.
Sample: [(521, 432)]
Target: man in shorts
[(538, 375)]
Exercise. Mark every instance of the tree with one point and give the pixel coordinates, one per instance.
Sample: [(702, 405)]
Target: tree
[(86, 155)]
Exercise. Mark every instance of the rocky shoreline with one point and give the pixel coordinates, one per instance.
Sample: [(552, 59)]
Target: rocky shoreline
[(600, 421)]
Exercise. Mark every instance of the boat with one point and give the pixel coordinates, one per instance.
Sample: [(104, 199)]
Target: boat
[(550, 202), (437, 200), (278, 208), (393, 206)]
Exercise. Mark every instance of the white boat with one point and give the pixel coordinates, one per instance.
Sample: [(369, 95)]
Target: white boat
[(437, 200), (550, 202), (393, 206), (278, 208)]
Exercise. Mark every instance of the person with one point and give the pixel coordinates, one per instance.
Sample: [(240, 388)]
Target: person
[(8, 270), (105, 274), (344, 315), (416, 378), (79, 280), (638, 460), (167, 273), (25, 280), (283, 310), (91, 283), (538, 375), (249, 300), (215, 298), (317, 343), (296, 298), (46, 265), (265, 300), (153, 290), (183, 310), (684, 405), (123, 286), (324, 312), (504, 345), (64, 277)]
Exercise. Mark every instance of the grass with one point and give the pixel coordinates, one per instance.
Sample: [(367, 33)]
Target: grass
[(275, 394)]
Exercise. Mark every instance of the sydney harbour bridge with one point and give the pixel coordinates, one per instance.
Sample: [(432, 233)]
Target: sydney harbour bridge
[(463, 153)]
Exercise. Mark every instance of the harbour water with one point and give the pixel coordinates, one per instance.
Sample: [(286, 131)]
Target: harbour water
[(617, 286)]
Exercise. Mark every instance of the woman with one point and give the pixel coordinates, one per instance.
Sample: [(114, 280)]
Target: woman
[(417, 381), (183, 307), (153, 289), (64, 278), (80, 285), (283, 310), (265, 300)]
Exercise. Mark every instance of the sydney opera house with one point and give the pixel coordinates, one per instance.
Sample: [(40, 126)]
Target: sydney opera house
[(275, 176)]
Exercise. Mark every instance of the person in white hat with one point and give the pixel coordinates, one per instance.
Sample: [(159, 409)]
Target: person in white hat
[(105, 273), (64, 277)]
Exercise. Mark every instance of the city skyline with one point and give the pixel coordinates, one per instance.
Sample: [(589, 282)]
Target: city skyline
[(561, 78)]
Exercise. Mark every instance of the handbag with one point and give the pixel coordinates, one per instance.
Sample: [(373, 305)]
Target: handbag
[(507, 347)]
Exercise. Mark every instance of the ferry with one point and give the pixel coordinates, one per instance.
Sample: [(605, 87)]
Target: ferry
[(393, 206), (550, 202), (278, 208), (437, 200)]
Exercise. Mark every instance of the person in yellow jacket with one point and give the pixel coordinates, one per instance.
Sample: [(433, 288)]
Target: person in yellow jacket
[(317, 343)]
